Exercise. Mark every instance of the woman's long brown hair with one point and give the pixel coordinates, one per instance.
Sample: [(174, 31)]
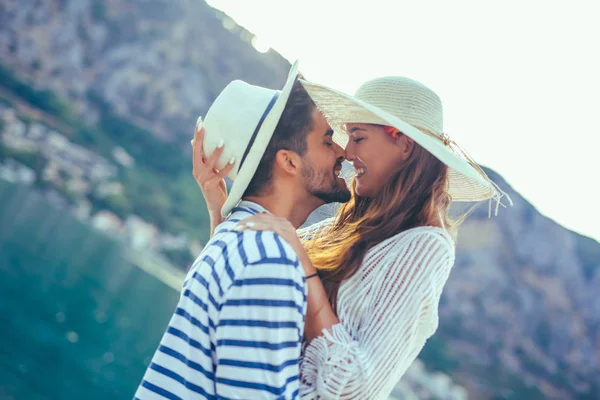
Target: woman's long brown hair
[(416, 196)]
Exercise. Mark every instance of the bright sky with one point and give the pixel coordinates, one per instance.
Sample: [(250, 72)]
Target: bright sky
[(520, 80)]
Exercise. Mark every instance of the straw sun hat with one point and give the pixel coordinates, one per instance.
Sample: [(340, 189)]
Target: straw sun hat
[(416, 111)]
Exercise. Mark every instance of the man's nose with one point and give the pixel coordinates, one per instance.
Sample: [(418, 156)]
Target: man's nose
[(348, 153), (340, 152)]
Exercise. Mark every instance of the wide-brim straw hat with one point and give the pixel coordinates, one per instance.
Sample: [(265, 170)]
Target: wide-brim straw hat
[(416, 111), (244, 116)]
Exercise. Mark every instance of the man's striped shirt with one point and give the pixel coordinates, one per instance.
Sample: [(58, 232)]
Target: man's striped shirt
[(237, 330)]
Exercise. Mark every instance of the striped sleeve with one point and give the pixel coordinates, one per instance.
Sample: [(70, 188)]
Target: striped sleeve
[(261, 324), (403, 315)]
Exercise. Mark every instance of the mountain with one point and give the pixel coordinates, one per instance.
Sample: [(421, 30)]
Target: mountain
[(129, 78), (158, 63), (521, 308), (123, 81)]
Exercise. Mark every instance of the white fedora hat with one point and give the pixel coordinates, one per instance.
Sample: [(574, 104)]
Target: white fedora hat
[(416, 111), (244, 116)]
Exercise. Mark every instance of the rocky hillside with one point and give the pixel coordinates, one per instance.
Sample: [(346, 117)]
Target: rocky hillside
[(520, 315), (521, 311), (114, 75), (158, 63)]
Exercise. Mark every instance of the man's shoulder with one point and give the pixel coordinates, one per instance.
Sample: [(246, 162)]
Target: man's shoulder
[(251, 247)]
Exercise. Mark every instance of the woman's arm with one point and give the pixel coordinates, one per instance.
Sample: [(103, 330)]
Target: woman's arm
[(319, 314), (215, 220)]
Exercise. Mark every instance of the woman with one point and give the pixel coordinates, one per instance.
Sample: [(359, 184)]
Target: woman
[(385, 256)]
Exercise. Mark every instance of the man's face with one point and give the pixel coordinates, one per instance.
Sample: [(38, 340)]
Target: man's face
[(322, 164)]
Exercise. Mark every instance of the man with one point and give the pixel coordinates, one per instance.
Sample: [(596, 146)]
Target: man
[(237, 330)]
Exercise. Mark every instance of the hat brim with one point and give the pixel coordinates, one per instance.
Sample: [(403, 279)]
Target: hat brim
[(256, 152), (465, 182)]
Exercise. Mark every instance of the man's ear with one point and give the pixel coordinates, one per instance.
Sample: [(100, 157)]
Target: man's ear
[(287, 161)]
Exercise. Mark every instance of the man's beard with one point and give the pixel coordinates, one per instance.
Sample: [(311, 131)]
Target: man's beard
[(325, 186)]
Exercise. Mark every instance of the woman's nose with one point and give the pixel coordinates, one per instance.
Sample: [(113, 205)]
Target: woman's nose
[(349, 152)]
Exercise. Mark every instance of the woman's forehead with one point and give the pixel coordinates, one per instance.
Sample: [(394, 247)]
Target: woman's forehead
[(352, 127)]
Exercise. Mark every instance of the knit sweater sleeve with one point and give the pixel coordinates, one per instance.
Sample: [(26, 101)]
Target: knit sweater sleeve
[(402, 314)]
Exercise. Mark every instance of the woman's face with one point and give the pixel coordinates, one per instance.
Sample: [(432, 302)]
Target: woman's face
[(376, 156)]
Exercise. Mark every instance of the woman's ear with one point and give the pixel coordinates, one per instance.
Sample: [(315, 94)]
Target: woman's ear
[(406, 145)]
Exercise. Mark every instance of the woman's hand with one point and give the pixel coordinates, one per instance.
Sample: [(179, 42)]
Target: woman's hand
[(210, 180), (284, 228)]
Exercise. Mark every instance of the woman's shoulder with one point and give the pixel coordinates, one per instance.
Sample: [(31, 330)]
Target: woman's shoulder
[(413, 246), (425, 248), (424, 235), (314, 230)]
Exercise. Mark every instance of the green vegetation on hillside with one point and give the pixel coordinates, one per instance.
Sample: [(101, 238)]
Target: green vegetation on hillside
[(28, 158), (45, 100), (159, 188), (160, 157)]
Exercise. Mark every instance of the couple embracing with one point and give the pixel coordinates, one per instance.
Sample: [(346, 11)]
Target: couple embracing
[(341, 308)]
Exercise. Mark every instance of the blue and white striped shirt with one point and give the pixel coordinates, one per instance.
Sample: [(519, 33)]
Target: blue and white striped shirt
[(237, 330)]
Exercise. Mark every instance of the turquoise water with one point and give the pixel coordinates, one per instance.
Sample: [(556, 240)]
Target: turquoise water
[(77, 320)]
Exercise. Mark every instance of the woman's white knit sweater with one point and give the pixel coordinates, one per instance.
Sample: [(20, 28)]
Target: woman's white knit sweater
[(387, 311)]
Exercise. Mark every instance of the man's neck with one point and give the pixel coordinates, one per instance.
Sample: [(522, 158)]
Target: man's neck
[(285, 205)]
